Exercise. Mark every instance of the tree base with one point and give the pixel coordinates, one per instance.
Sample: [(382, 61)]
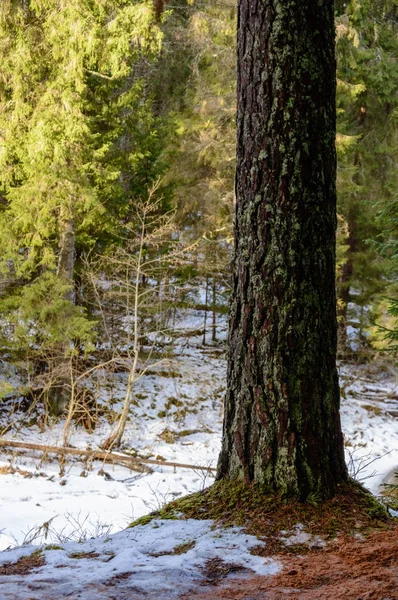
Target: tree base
[(353, 510)]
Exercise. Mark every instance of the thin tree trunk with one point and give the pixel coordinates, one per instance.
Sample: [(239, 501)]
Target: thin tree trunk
[(343, 287), (60, 394), (282, 425), (205, 316), (158, 7), (214, 308), (66, 260), (344, 298), (115, 438)]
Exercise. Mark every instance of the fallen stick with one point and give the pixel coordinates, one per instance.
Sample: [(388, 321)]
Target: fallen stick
[(113, 457)]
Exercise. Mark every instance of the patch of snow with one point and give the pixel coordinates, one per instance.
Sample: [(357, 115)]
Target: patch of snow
[(300, 536), (147, 559), (178, 418), (370, 429)]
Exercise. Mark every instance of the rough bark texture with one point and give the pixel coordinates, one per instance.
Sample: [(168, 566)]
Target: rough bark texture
[(282, 425)]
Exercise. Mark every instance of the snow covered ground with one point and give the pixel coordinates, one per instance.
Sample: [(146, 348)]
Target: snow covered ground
[(163, 559), (178, 417), (369, 416)]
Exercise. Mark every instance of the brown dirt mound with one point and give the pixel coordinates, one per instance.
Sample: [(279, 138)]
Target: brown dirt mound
[(349, 569)]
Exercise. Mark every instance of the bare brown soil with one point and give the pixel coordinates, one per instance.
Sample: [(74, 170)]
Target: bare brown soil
[(349, 569)]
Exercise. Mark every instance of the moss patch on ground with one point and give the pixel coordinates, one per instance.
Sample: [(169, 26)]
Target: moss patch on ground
[(352, 511), (180, 549), (79, 555), (24, 565)]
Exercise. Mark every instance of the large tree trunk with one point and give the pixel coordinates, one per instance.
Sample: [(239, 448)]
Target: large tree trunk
[(282, 425)]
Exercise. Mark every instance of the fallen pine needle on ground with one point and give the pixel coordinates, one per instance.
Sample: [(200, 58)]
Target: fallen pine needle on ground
[(229, 541)]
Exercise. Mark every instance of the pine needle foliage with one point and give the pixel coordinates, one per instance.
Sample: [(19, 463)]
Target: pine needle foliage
[(78, 141), (367, 51)]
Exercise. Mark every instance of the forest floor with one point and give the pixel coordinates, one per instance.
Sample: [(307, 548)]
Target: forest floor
[(51, 509), (195, 559), (349, 569), (177, 417)]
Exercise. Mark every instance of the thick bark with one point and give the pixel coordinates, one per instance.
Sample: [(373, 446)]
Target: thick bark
[(282, 425)]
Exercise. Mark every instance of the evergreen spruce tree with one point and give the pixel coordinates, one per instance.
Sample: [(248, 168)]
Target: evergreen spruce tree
[(204, 152), (78, 142), (367, 145)]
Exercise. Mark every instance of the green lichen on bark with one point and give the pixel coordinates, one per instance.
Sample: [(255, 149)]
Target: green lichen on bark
[(282, 427)]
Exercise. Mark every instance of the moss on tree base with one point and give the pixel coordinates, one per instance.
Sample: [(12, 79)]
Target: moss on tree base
[(353, 510)]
